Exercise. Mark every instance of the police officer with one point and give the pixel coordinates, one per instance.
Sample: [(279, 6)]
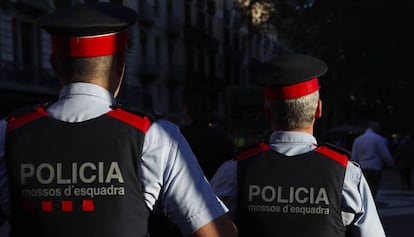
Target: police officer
[(291, 186), (85, 166)]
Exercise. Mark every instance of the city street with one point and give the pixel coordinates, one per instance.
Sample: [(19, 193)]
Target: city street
[(396, 207)]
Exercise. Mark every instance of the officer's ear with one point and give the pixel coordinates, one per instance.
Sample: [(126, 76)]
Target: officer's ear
[(119, 70), (318, 112)]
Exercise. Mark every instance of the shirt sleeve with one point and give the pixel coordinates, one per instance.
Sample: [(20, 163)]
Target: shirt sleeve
[(359, 212), (224, 184), (173, 177)]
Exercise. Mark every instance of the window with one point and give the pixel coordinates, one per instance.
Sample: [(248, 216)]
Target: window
[(187, 14), (158, 50), (189, 62), (46, 50), (6, 38), (156, 8), (170, 51), (143, 41), (26, 43)]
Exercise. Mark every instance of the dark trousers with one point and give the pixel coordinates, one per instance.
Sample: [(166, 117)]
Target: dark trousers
[(373, 178), (405, 178)]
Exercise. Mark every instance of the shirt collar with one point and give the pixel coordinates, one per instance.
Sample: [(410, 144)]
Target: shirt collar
[(292, 143), (87, 89), (292, 137)]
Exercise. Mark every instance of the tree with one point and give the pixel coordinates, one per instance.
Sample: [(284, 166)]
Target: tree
[(363, 43)]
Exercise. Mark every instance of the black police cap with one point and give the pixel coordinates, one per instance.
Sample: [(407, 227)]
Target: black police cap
[(88, 19), (291, 76), (292, 68)]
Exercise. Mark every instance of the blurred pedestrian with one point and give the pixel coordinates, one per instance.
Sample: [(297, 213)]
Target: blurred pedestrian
[(404, 157), (211, 145), (370, 150), (292, 186), (86, 166)]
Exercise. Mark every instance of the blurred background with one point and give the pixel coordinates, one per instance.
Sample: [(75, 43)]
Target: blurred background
[(220, 47)]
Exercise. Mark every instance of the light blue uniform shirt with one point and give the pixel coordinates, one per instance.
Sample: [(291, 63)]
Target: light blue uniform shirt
[(358, 207), (170, 171)]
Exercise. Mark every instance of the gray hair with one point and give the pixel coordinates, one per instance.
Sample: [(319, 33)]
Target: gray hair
[(293, 113)]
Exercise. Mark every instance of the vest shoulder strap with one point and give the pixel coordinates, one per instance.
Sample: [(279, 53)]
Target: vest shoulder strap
[(252, 151), (139, 119), (137, 111), (334, 152), (25, 115)]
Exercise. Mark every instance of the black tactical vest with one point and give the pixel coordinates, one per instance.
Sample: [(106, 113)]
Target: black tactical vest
[(76, 179), (290, 196)]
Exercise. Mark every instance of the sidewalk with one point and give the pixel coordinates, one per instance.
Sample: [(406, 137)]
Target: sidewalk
[(4, 230), (390, 179), (396, 207)]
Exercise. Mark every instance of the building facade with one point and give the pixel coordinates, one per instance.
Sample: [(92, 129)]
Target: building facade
[(176, 46)]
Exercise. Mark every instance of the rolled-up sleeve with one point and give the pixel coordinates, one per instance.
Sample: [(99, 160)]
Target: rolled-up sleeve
[(359, 212), (224, 184)]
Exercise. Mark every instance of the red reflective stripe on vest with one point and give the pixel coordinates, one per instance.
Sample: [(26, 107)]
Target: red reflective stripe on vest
[(252, 151), (142, 123), (340, 158), (47, 206), (88, 205), (67, 205), (16, 122)]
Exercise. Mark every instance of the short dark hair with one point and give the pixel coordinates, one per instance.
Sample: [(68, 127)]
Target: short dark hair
[(75, 69)]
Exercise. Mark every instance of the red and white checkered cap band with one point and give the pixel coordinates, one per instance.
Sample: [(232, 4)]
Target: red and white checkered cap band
[(89, 46), (292, 91)]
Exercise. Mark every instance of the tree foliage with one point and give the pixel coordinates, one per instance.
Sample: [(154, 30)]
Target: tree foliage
[(366, 46)]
